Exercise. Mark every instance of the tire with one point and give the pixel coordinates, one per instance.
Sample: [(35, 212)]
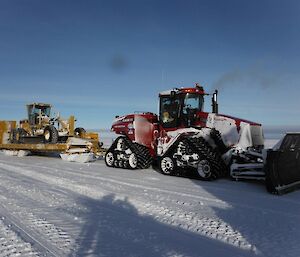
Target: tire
[(167, 165), (21, 133), (17, 135), (13, 136), (109, 159), (79, 132), (50, 135)]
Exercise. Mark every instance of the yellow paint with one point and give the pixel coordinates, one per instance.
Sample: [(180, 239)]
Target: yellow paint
[(5, 128), (71, 125)]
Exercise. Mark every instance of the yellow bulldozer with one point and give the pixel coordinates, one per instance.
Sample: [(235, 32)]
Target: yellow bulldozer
[(42, 132), (41, 127)]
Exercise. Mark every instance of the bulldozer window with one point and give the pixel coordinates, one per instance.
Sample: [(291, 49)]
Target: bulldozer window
[(45, 110), (169, 109), (35, 110)]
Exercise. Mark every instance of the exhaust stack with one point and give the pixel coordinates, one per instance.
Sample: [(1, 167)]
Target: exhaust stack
[(214, 104)]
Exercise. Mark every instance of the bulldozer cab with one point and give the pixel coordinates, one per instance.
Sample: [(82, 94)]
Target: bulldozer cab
[(178, 108), (38, 112)]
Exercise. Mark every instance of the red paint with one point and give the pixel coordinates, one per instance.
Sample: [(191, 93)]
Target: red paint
[(145, 129)]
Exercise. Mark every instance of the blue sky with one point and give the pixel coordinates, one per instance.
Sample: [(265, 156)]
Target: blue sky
[(97, 59)]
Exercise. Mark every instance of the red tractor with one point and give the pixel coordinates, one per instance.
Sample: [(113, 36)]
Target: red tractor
[(184, 137)]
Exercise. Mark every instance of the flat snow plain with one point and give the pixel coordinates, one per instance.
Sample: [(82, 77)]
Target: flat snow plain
[(49, 207)]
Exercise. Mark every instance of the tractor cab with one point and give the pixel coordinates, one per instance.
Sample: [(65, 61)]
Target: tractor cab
[(178, 107), (38, 113)]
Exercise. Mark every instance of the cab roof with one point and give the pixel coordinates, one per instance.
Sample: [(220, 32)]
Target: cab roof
[(39, 104), (196, 90)]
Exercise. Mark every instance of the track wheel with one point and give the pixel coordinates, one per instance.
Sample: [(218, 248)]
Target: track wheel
[(167, 165), (204, 170), (50, 135), (126, 165), (79, 132), (133, 161), (109, 159), (121, 144)]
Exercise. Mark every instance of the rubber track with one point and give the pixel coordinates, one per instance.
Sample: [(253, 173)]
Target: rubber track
[(205, 151), (142, 153), (216, 136)]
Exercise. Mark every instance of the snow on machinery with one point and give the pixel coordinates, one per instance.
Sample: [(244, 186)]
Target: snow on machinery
[(41, 132), (186, 138)]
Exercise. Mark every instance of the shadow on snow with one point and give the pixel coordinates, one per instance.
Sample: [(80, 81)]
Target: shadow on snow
[(269, 222), (113, 227)]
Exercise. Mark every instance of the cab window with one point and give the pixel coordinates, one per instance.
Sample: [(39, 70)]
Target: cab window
[(169, 110), (192, 102)]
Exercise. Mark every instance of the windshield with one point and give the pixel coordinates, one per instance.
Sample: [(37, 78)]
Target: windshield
[(45, 110), (34, 112), (192, 102), (179, 109), (169, 109)]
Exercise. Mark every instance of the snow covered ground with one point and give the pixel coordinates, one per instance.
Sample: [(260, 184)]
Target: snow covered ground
[(49, 207)]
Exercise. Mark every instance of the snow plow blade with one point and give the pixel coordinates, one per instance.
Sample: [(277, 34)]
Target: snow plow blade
[(283, 165), (280, 178), (80, 150)]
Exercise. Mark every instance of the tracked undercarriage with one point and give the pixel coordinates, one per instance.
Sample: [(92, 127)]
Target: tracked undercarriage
[(123, 153), (193, 154)]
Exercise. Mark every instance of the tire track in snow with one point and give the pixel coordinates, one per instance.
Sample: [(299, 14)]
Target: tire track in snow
[(45, 236), (12, 245), (225, 204), (212, 228), (104, 181), (81, 175), (23, 207)]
